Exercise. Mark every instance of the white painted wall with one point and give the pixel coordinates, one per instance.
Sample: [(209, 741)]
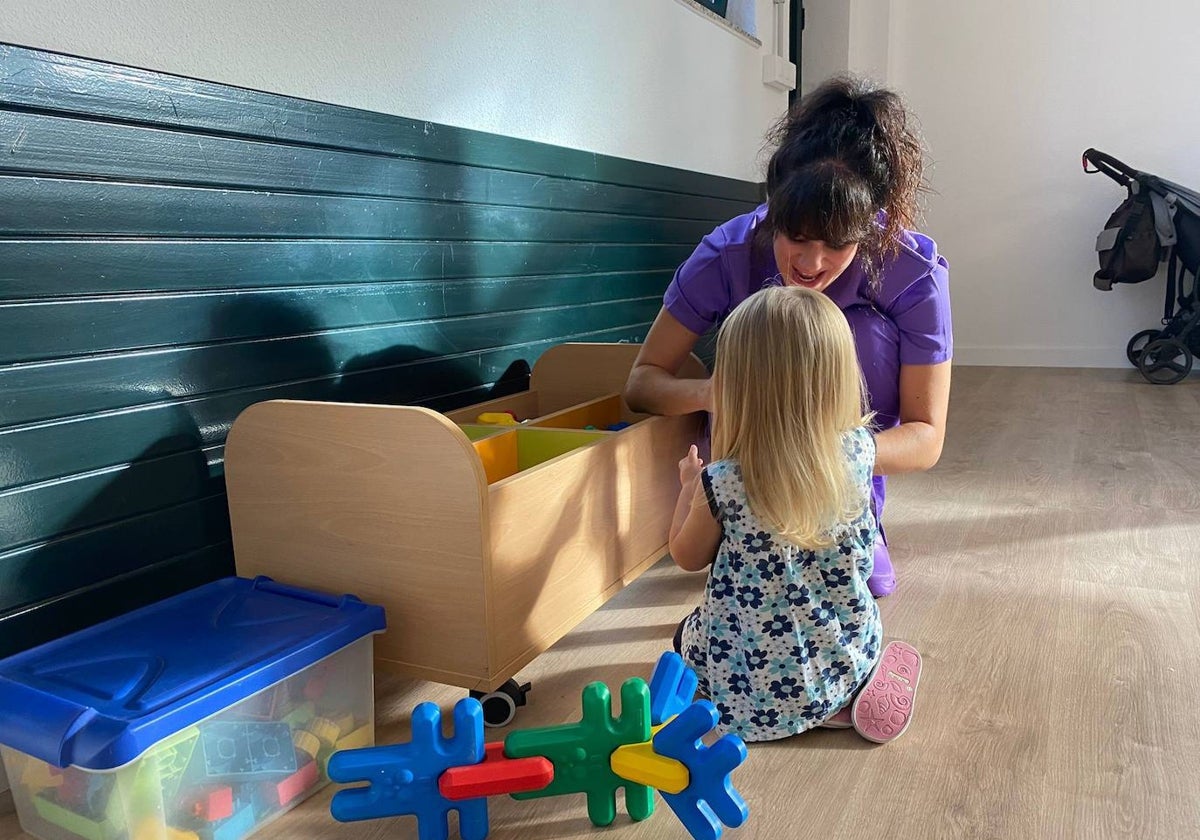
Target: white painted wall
[(826, 47), (644, 79), (845, 36), (870, 38), (1010, 95)]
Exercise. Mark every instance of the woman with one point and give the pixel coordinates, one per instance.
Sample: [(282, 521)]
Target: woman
[(842, 192)]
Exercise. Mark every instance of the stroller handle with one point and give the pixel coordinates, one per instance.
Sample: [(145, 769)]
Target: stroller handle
[(1120, 172)]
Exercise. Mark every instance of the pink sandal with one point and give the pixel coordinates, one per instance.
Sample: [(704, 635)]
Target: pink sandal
[(883, 709)]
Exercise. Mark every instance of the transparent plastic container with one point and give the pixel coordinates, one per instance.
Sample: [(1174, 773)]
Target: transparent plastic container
[(220, 777)]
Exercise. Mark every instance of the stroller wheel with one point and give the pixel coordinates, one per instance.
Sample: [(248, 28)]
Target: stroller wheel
[(1166, 361), (1133, 350)]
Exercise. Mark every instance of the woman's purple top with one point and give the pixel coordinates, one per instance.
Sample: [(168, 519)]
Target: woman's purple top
[(913, 298)]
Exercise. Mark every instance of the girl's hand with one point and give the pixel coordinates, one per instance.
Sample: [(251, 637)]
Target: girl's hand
[(690, 467)]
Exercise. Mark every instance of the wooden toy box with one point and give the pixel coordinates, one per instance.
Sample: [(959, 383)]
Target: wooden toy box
[(484, 544)]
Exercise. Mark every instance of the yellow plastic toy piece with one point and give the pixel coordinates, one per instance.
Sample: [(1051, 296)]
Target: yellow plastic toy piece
[(38, 776), (153, 829), (307, 743), (345, 725), (325, 729), (493, 418), (361, 737), (641, 764)]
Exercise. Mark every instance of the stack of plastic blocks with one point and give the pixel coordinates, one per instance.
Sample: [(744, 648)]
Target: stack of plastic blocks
[(655, 744)]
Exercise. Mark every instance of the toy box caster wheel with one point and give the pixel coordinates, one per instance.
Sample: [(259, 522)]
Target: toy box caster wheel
[(500, 706)]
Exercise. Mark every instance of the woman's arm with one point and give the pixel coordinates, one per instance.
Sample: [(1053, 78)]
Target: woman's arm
[(916, 444), (652, 386)]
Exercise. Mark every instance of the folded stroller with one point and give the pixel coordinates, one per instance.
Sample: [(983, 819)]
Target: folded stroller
[(1158, 222)]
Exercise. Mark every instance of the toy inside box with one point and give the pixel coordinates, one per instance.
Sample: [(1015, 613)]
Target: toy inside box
[(201, 717)]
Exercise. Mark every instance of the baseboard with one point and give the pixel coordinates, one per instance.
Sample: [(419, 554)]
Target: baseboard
[(1085, 357)]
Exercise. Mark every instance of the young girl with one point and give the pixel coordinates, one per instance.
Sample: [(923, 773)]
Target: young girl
[(788, 636)]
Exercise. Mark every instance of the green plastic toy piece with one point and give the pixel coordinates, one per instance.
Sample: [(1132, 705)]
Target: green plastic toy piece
[(581, 752), (78, 824), (171, 757)]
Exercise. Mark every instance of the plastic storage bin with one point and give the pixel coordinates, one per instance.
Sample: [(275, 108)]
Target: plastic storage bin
[(201, 717)]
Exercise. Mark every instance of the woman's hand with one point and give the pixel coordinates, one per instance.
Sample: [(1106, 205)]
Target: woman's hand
[(916, 444), (654, 386), (690, 467)]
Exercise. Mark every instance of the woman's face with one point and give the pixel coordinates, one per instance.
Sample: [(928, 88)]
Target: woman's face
[(811, 263)]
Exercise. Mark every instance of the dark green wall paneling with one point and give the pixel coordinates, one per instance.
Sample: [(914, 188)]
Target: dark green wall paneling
[(173, 251)]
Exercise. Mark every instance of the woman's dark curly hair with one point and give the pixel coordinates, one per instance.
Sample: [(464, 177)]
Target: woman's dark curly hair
[(845, 152)]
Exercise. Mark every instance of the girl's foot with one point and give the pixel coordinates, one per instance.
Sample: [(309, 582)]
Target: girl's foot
[(883, 578), (883, 709), (841, 720)]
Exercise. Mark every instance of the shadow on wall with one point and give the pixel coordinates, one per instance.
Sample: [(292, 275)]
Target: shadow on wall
[(108, 540)]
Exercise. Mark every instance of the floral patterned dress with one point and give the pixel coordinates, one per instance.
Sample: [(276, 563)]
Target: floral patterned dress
[(786, 636)]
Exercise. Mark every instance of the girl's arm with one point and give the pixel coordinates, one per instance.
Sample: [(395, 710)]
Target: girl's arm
[(652, 386), (695, 534), (916, 444)]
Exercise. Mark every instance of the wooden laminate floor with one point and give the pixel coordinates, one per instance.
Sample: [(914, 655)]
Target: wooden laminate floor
[(1047, 569)]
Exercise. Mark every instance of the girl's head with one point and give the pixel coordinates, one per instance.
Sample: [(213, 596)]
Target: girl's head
[(786, 387), (845, 153)]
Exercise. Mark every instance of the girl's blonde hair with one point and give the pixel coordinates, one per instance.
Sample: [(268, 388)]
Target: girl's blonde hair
[(786, 388)]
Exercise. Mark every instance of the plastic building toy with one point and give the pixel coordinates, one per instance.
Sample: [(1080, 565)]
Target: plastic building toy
[(279, 794), (237, 826), (211, 804), (173, 757), (581, 752), (357, 739), (672, 688), (38, 776), (496, 775), (640, 763), (709, 799), (431, 775), (247, 750), (497, 418), (307, 743), (404, 777), (616, 427)]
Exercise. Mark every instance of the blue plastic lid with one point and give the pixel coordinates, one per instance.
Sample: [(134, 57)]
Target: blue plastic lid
[(101, 697)]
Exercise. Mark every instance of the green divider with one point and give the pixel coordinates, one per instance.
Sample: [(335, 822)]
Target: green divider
[(536, 446)]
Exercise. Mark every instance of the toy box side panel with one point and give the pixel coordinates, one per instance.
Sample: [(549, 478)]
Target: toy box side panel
[(525, 405), (572, 533), (573, 373), (385, 502)]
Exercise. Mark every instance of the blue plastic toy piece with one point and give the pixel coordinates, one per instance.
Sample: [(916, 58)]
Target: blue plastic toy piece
[(404, 777), (709, 799), (237, 826), (672, 688), (247, 750)]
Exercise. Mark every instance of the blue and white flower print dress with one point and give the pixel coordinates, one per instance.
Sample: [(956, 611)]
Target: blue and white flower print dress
[(785, 636)]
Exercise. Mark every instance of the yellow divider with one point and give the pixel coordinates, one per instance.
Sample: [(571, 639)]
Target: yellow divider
[(600, 413), (499, 455)]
